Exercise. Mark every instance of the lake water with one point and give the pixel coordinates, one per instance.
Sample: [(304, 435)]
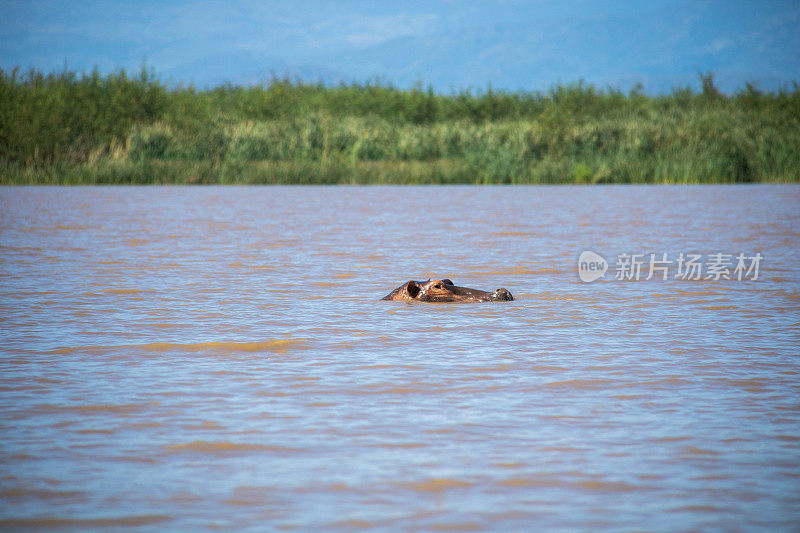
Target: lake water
[(219, 358)]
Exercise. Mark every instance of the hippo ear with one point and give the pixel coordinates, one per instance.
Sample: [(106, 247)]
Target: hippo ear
[(412, 288), (447, 281)]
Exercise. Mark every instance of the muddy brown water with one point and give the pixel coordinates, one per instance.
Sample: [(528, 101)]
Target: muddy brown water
[(219, 358)]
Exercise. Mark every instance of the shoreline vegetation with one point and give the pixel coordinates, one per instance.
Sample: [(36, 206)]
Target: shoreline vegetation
[(88, 128)]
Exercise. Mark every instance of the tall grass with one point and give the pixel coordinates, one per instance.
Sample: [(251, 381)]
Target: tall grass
[(68, 128)]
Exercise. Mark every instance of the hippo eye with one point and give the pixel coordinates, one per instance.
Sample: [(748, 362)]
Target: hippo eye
[(437, 286)]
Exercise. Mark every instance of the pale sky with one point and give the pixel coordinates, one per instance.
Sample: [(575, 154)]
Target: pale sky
[(455, 43)]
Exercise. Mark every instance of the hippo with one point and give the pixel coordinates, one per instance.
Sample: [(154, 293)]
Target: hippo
[(444, 290)]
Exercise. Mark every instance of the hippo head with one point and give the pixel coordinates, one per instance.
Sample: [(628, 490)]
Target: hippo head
[(444, 290)]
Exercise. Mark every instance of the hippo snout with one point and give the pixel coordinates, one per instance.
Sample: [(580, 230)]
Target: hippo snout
[(502, 295)]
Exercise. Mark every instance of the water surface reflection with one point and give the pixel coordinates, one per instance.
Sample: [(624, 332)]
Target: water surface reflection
[(205, 358)]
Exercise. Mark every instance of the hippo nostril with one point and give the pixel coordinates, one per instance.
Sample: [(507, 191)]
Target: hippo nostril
[(502, 295)]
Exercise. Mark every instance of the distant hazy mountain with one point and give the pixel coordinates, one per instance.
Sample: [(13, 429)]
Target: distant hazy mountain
[(738, 41), (512, 47)]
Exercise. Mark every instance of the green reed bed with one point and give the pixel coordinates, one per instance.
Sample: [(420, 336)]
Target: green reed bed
[(65, 128)]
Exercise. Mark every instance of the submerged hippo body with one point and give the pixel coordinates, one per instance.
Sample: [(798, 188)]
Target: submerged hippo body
[(443, 290)]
